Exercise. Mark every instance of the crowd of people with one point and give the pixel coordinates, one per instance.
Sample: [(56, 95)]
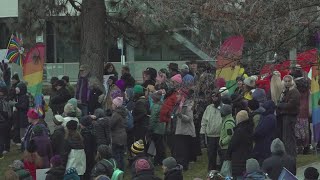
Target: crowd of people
[(104, 130)]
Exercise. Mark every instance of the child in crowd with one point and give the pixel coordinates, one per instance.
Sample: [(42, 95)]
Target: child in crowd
[(171, 169)]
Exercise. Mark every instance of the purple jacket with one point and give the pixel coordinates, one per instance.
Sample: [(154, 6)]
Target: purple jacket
[(44, 149), (82, 92)]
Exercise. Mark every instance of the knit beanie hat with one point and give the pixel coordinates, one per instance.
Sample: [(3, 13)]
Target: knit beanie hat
[(169, 162), (99, 113), (250, 81), (121, 84), (138, 89), (56, 160), (177, 78), (33, 114), (118, 101), (242, 116), (253, 104), (74, 102), (72, 125), (137, 147), (69, 109), (220, 82), (311, 173), (142, 165), (104, 151), (86, 121), (15, 77), (225, 110), (259, 95), (58, 120), (226, 99), (130, 93), (252, 165), (277, 146)]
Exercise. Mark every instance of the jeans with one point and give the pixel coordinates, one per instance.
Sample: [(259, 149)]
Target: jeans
[(118, 154), (213, 144)]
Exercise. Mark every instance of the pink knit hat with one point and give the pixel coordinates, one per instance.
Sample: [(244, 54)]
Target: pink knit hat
[(118, 101), (177, 78), (33, 114)]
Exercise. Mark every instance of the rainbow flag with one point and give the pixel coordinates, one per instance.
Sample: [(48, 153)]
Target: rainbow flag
[(315, 94), (228, 59), (33, 74), (15, 51)]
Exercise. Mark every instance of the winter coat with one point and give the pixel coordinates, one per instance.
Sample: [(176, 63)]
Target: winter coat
[(240, 147), (157, 127), (108, 100), (103, 134), (59, 100), (290, 102), (44, 149), (130, 105), (82, 90), (118, 125), (74, 155), (28, 136), (256, 116), (264, 132), (4, 116), (12, 92), (226, 131), (174, 174), (23, 174), (93, 103), (90, 146), (278, 160), (211, 122), (140, 118), (55, 173), (255, 176), (185, 125), (31, 168), (70, 89), (167, 107), (103, 167), (56, 140), (22, 105)]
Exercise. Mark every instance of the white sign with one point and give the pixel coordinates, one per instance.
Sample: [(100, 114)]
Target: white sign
[(9, 8)]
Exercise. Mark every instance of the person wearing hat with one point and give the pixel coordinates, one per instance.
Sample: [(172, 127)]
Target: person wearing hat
[(43, 143), (253, 170), (69, 87), (249, 86), (176, 80), (74, 103), (241, 143), (102, 128), (105, 162), (171, 169), (118, 124), (82, 88), (112, 93), (143, 170), (157, 127), (74, 154), (187, 78), (210, 127), (226, 131), (89, 141), (127, 77), (255, 111), (57, 170), (61, 97), (173, 69), (18, 167), (288, 111), (57, 135)]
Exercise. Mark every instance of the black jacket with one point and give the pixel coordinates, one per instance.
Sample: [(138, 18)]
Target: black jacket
[(240, 147), (118, 125), (4, 116), (89, 141), (57, 141), (22, 105), (103, 167), (140, 118), (103, 134), (174, 174), (93, 103), (69, 144), (55, 173), (58, 101)]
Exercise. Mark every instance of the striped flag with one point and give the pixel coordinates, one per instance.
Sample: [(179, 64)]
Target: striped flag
[(15, 51)]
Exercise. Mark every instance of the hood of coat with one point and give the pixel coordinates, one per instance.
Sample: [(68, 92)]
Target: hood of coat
[(57, 171), (23, 88), (121, 111), (277, 147), (269, 107)]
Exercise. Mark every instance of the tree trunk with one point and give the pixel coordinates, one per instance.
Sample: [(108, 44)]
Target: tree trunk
[(93, 36)]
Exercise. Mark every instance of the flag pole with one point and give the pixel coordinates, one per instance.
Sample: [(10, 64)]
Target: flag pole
[(8, 46)]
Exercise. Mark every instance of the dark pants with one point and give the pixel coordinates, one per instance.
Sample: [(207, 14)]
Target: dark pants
[(213, 145), (2, 141), (83, 108), (7, 139), (222, 154), (182, 150), (160, 148), (288, 134), (118, 154), (279, 129), (170, 140), (16, 128)]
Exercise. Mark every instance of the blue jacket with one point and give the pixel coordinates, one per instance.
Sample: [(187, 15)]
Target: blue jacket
[(263, 134)]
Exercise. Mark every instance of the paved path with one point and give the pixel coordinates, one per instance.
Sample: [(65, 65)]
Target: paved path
[(300, 170)]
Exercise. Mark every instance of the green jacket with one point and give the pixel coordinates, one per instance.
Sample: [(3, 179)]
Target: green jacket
[(23, 174), (157, 127), (226, 131), (70, 89)]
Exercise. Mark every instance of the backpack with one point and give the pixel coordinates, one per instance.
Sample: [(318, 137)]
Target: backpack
[(130, 124), (117, 173)]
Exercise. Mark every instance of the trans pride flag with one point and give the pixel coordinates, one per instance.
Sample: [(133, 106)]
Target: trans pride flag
[(33, 74)]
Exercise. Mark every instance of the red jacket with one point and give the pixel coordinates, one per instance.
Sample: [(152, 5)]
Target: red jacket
[(167, 108)]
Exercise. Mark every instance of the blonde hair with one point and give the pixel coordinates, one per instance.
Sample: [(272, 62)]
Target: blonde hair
[(276, 88), (11, 175), (33, 158)]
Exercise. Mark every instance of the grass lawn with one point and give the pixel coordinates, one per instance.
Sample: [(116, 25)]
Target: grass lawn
[(198, 169)]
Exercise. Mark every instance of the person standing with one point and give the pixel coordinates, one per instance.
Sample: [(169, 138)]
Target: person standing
[(288, 109), (69, 87), (96, 89), (4, 122), (82, 90), (59, 100)]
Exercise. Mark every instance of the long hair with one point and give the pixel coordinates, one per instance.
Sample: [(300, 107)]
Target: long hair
[(34, 158), (73, 134), (276, 87)]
